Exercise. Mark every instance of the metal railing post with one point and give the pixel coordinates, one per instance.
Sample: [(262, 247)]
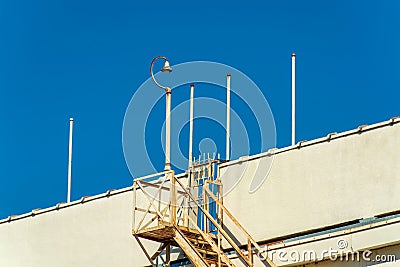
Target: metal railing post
[(134, 208), (173, 203), (249, 249)]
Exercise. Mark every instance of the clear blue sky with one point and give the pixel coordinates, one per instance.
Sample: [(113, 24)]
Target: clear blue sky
[(85, 59)]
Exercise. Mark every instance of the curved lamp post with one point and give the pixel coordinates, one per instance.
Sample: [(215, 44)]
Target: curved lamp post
[(166, 68)]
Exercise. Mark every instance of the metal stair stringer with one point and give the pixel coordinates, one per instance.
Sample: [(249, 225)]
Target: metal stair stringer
[(250, 240), (189, 250), (224, 258), (247, 260)]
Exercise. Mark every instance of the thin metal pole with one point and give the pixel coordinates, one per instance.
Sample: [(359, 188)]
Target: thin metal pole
[(190, 157), (71, 126), (228, 115), (191, 126), (168, 130), (293, 99)]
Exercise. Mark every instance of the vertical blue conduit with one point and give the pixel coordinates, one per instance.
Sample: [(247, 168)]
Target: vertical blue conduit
[(212, 206)]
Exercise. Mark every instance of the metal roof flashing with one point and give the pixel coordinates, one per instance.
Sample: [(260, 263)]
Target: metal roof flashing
[(330, 137)]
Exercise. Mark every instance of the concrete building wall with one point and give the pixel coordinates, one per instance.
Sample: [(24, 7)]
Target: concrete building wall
[(96, 233), (362, 244), (93, 231), (354, 175), (384, 257)]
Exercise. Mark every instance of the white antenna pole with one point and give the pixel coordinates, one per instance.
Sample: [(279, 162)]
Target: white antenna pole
[(293, 99), (191, 126), (228, 115), (71, 126)]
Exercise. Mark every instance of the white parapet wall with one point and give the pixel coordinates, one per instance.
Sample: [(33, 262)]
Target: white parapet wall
[(311, 185), (93, 233)]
